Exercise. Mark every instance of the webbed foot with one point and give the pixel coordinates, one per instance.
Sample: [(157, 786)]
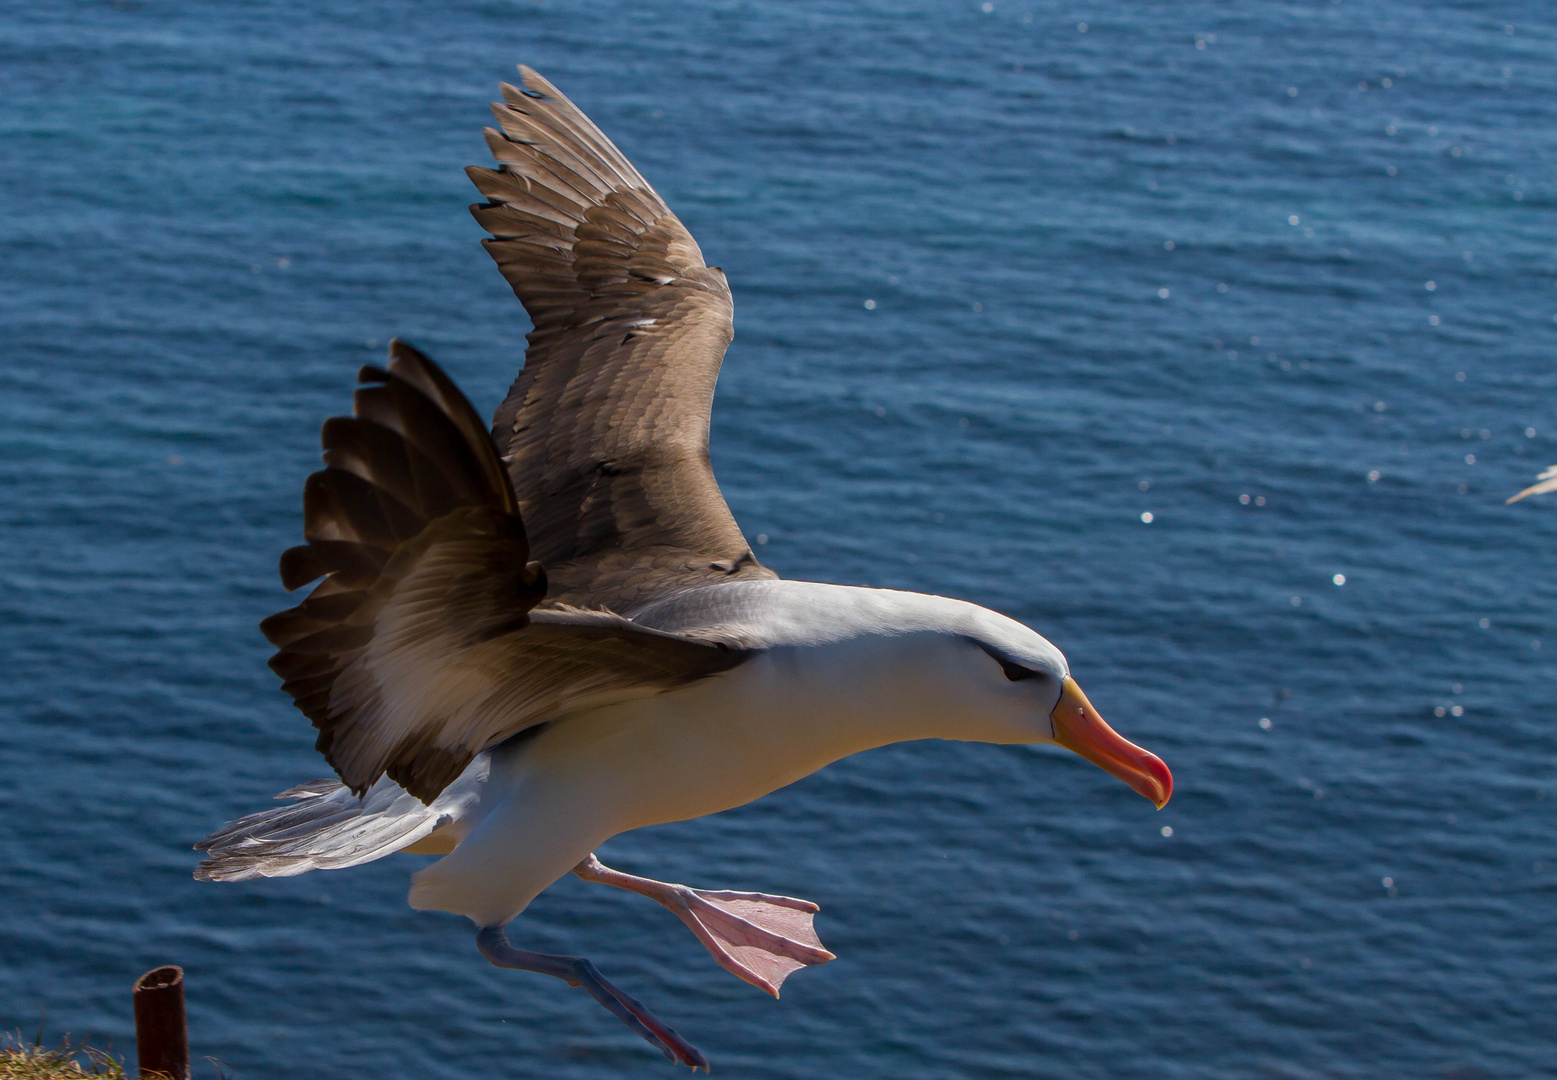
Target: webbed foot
[(756, 937)]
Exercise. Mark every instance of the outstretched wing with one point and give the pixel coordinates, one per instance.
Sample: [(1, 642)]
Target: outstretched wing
[(420, 648), (1548, 482), (605, 430)]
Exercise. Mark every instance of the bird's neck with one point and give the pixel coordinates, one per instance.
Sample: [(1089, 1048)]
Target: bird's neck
[(726, 740)]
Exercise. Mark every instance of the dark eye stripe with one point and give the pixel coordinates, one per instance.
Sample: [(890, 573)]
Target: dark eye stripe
[(1016, 672)]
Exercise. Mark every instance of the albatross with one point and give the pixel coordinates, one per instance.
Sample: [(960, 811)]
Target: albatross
[(525, 641)]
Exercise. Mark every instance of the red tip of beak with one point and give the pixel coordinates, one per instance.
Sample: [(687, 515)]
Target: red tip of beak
[(1079, 728)]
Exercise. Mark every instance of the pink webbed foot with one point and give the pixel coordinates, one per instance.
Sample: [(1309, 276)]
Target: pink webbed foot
[(756, 937), (760, 938)]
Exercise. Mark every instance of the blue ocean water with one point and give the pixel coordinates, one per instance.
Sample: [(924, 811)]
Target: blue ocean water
[(1009, 277)]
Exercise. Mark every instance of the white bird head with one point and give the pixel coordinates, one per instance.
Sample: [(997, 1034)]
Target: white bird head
[(1029, 684)]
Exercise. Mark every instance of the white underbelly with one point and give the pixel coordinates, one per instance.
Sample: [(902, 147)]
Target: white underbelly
[(714, 745)]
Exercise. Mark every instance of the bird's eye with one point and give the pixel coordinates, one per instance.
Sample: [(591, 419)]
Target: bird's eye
[(1014, 671)]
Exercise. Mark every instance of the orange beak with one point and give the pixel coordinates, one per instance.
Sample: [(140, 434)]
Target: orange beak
[(1079, 728)]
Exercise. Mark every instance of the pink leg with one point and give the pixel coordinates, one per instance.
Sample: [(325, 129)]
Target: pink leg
[(756, 937), (576, 971)]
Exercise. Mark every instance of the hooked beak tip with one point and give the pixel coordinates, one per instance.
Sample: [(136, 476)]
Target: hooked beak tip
[(1079, 728)]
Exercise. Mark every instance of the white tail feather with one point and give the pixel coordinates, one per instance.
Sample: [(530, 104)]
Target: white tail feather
[(328, 828)]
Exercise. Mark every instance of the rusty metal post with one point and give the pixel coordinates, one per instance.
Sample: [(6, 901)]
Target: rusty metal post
[(161, 1033)]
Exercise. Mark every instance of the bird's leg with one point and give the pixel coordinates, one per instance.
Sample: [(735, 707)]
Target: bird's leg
[(576, 971), (756, 937)]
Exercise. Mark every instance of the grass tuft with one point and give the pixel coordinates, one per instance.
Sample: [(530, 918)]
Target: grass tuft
[(21, 1060)]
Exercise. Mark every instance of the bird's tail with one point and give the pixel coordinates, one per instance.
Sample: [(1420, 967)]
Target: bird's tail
[(327, 828)]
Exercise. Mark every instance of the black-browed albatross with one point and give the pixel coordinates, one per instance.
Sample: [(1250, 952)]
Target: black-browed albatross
[(529, 641)]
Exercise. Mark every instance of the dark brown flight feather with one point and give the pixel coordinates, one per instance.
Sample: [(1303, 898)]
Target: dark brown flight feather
[(420, 648), (605, 430)]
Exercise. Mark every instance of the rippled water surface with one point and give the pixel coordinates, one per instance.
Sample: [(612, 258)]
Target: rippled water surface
[(1009, 278)]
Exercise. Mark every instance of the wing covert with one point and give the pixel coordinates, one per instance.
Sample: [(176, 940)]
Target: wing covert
[(605, 430)]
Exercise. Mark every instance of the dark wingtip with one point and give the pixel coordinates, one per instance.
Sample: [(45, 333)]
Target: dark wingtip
[(404, 352), (535, 84), (283, 627), (299, 566)]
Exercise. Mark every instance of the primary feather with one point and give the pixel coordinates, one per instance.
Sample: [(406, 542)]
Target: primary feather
[(421, 648)]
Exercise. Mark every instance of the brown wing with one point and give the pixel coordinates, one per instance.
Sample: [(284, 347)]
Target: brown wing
[(605, 431), (419, 648)]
